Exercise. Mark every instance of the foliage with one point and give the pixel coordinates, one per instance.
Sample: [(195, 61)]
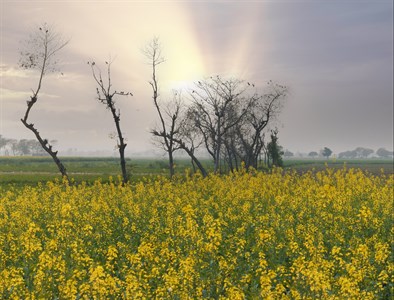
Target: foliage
[(313, 154), (274, 150), (288, 153), (359, 152), (248, 235), (382, 152), (326, 152)]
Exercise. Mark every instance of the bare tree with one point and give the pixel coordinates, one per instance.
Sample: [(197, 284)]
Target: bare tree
[(106, 96), (169, 113), (169, 128), (214, 101), (191, 141), (40, 54), (250, 132)]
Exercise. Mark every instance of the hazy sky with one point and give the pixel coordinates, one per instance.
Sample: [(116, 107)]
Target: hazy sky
[(336, 57)]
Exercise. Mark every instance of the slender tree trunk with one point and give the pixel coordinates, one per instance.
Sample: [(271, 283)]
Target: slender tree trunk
[(197, 162), (123, 163), (48, 148), (191, 154), (122, 145), (171, 163)]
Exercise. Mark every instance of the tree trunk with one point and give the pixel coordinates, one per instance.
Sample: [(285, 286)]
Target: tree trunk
[(121, 144), (191, 154), (48, 148), (171, 163), (123, 163)]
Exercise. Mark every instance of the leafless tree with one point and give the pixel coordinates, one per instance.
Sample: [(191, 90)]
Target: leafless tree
[(214, 102), (169, 128), (189, 139), (40, 54), (250, 132), (169, 113), (106, 96)]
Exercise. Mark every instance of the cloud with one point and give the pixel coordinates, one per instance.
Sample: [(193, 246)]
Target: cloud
[(8, 71), (335, 56)]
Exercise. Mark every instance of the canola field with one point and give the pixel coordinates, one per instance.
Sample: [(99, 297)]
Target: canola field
[(249, 235)]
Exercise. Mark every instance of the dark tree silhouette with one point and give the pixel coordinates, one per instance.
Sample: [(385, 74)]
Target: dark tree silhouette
[(218, 105), (40, 54), (275, 151), (382, 152), (106, 96), (263, 110), (326, 152), (169, 115)]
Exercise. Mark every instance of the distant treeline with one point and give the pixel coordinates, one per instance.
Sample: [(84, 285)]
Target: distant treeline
[(359, 152), (25, 147), (21, 147)]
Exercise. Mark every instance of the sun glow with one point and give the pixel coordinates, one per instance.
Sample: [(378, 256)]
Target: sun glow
[(136, 24)]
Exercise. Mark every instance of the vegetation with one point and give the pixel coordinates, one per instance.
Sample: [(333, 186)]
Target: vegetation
[(106, 96), (169, 115), (236, 228), (30, 170), (326, 152), (247, 235), (275, 151), (40, 54)]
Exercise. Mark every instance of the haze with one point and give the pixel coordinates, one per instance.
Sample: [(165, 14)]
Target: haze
[(336, 57)]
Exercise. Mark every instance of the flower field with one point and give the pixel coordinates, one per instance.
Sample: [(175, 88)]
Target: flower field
[(249, 235)]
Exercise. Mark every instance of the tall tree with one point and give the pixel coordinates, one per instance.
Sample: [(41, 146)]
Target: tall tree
[(275, 151), (40, 54), (382, 152), (3, 142), (107, 97), (214, 101), (169, 113), (168, 131), (190, 140), (326, 152), (263, 110)]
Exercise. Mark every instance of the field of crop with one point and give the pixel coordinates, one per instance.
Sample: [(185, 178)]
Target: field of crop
[(249, 235)]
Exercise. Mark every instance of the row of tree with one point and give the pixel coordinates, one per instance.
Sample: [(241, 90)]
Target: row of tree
[(359, 152), (22, 147), (228, 117), (325, 152)]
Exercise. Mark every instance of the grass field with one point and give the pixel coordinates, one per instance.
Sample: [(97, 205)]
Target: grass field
[(31, 170)]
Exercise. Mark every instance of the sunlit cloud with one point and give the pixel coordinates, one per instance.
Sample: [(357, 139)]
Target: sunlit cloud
[(9, 71), (12, 95), (335, 57)]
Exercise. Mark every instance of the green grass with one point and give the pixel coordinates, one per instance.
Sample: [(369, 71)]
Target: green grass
[(31, 170), (373, 166)]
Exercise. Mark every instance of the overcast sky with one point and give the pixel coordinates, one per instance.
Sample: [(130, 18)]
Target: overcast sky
[(336, 57)]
